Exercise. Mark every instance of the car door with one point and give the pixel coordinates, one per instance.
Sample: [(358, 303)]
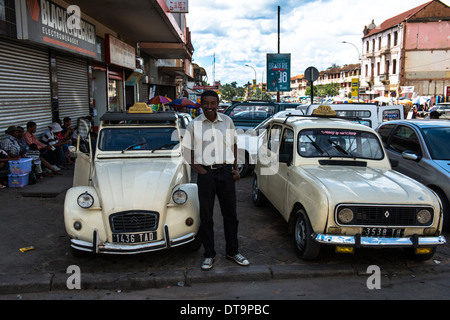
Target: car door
[(405, 139), (278, 181), (82, 171)]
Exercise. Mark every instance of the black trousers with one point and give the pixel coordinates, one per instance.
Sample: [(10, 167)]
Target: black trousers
[(218, 182)]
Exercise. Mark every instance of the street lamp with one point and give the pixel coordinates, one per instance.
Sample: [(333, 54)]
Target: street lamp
[(359, 58), (255, 76)]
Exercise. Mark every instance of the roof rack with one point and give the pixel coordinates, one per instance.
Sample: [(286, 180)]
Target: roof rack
[(139, 118)]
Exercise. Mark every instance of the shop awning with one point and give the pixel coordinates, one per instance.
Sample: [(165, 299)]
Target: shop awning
[(148, 22)]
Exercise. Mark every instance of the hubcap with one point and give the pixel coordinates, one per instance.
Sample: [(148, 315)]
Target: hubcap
[(300, 234)]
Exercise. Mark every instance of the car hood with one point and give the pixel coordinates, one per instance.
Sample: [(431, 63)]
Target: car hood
[(370, 185), (136, 184), (444, 164)]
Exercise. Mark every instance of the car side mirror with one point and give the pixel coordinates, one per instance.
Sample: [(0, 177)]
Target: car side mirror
[(285, 158), (408, 155)]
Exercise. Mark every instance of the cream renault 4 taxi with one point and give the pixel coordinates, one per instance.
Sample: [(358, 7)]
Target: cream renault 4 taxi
[(132, 190), (332, 182)]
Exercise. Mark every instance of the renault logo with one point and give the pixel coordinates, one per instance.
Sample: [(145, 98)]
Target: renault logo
[(386, 214)]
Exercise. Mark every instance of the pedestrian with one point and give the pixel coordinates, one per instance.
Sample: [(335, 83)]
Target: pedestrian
[(211, 150), (10, 143), (434, 114)]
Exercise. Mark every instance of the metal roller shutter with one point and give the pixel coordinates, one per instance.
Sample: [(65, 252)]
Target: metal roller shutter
[(24, 86), (73, 87)]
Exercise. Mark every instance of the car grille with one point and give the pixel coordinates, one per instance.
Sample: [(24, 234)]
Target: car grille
[(134, 221), (395, 216)]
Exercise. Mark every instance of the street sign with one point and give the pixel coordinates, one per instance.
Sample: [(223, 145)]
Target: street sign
[(278, 72), (311, 74)]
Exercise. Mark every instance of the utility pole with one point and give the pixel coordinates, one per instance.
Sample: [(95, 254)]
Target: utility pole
[(278, 92)]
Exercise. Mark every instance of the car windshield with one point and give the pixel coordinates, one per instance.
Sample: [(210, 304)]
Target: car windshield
[(135, 139), (339, 143), (436, 138)]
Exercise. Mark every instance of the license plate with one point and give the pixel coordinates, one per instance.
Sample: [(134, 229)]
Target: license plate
[(383, 232), (134, 237)]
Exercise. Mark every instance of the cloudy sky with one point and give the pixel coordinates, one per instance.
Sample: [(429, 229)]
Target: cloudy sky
[(241, 32)]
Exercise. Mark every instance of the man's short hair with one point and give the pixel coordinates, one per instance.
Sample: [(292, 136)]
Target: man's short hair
[(31, 124), (210, 93)]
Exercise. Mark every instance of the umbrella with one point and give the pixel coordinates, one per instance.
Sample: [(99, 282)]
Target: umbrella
[(382, 99), (183, 102), (159, 100), (421, 100)]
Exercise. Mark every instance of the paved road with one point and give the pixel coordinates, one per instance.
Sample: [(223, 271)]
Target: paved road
[(33, 216)]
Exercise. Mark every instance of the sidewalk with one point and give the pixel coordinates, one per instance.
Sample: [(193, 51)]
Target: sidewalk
[(33, 216)]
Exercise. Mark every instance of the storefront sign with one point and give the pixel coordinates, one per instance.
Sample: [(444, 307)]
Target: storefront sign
[(119, 53), (46, 22), (407, 89), (177, 6)]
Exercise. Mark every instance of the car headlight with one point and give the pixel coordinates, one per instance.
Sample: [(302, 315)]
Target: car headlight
[(424, 216), (85, 200), (345, 215), (179, 196)]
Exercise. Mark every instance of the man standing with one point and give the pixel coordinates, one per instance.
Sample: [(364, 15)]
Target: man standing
[(211, 150)]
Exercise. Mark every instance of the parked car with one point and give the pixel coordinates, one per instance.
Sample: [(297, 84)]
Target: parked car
[(444, 110), (332, 182), (421, 149), (133, 194), (249, 114), (369, 114)]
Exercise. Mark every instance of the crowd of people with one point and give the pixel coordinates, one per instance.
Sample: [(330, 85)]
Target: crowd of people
[(49, 153)]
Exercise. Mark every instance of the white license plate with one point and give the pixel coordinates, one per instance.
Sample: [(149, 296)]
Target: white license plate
[(134, 237), (383, 232)]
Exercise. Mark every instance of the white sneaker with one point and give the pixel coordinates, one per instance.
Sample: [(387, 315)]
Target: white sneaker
[(239, 259), (56, 168), (208, 263)]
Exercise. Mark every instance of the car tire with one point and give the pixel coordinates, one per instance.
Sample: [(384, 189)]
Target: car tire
[(307, 248), (259, 199)]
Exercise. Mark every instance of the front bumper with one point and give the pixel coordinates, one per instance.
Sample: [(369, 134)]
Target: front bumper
[(359, 241), (116, 248)]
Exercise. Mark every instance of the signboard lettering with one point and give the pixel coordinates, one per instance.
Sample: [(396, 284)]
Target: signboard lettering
[(278, 72), (46, 22)]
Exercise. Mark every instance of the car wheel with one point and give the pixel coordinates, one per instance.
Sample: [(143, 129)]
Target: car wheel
[(258, 198), (307, 248)]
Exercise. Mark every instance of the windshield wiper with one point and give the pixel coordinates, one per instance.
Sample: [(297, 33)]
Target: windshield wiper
[(339, 148), (134, 145), (168, 145), (317, 146)]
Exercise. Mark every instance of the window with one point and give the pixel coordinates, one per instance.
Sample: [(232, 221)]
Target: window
[(274, 138), (394, 66), (287, 143), (379, 43), (388, 40), (115, 139), (378, 68), (405, 139), (367, 46), (395, 38), (330, 142), (252, 112), (385, 132)]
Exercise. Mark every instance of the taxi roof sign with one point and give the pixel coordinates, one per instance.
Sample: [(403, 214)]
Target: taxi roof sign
[(140, 107), (324, 110)]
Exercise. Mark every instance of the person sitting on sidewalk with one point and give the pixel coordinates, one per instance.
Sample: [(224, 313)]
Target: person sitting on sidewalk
[(10, 143), (50, 138), (35, 155), (4, 167), (45, 158)]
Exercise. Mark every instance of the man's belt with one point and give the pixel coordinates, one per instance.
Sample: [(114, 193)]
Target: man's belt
[(217, 166)]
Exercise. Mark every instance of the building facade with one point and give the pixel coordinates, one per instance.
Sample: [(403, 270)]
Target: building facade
[(410, 50), (59, 60)]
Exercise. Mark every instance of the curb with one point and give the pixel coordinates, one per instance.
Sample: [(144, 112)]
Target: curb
[(15, 284)]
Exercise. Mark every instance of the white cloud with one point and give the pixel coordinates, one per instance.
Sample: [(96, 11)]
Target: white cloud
[(241, 32)]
